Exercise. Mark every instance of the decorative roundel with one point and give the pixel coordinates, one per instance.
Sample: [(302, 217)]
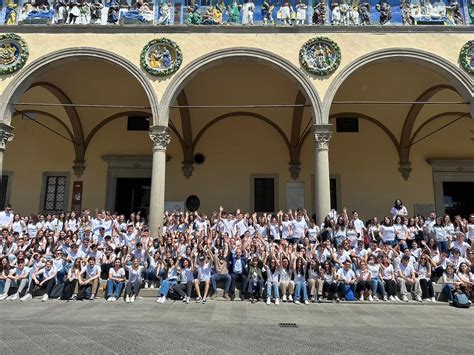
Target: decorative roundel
[(466, 57), (13, 53), (161, 57), (320, 56), (193, 203)]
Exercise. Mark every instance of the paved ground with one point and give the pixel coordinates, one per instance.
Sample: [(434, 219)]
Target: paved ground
[(232, 327)]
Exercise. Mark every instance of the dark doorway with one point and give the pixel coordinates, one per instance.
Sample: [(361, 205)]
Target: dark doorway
[(3, 191), (458, 198), (264, 194), (132, 195)]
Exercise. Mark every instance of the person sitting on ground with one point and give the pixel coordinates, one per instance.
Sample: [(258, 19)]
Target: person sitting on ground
[(43, 278), (255, 282), (18, 276), (345, 280), (171, 279), (204, 270), (116, 281), (89, 277), (221, 271)]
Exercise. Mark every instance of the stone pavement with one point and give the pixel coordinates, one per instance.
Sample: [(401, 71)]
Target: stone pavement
[(93, 327)]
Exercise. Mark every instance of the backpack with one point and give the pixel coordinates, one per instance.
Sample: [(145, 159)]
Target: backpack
[(67, 292), (349, 294), (57, 291), (460, 300)]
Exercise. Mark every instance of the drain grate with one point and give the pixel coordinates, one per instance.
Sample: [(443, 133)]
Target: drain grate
[(287, 325)]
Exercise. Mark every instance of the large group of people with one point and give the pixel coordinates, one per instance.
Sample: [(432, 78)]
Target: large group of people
[(269, 257)]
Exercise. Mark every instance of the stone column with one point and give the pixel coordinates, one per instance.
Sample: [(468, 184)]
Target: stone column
[(322, 135), (161, 138), (5, 136)]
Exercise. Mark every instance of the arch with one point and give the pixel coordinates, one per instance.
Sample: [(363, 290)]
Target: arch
[(241, 114), (431, 119), (187, 73), (457, 78), (27, 76)]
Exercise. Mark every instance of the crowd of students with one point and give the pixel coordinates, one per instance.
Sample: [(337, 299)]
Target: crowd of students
[(282, 257)]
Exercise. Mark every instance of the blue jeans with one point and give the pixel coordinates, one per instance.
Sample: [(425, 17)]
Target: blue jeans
[(150, 274), (114, 288), (275, 288), (377, 286), (221, 277), (448, 291), (165, 287), (301, 286), (443, 245), (2, 285)]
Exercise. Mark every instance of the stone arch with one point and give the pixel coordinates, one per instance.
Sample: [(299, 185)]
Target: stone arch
[(457, 78), (27, 76), (183, 76)]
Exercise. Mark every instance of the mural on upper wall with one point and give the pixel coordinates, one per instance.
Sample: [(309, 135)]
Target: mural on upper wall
[(238, 12)]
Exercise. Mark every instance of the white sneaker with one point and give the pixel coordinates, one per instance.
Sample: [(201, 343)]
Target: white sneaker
[(162, 300), (187, 300), (277, 301), (45, 298), (13, 297), (268, 300), (146, 285), (3, 297), (426, 300), (418, 298), (297, 302), (306, 302), (371, 299), (158, 300), (152, 286), (376, 299), (127, 299), (391, 298), (284, 298), (361, 298), (132, 299), (385, 298), (405, 298), (396, 298), (433, 299), (26, 297), (290, 298)]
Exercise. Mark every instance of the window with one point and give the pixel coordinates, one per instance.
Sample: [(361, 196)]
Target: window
[(138, 123), (347, 124), (264, 194), (333, 193), (55, 193), (3, 191)]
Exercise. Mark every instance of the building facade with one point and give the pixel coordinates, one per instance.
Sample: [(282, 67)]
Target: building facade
[(260, 118)]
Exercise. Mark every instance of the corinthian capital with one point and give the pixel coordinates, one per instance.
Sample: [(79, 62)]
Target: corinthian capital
[(322, 135), (160, 137), (5, 136)]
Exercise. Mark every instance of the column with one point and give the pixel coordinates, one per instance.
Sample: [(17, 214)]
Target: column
[(161, 138), (5, 136), (322, 135)]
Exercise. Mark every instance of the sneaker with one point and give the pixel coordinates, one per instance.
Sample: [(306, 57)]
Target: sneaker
[(73, 297), (113, 299), (13, 297), (338, 299), (92, 297), (306, 302), (320, 299), (226, 297), (297, 302), (391, 298), (283, 298), (361, 298), (198, 300), (371, 299), (162, 300), (158, 300), (268, 300), (397, 299), (313, 299), (127, 299), (146, 285), (433, 299), (187, 300), (418, 298), (26, 297), (385, 298), (204, 300), (277, 301), (404, 298), (152, 286), (3, 297), (290, 298), (254, 300), (375, 298), (426, 300), (132, 299), (45, 298)]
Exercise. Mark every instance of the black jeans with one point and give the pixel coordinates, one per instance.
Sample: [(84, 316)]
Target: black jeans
[(330, 288), (390, 287), (180, 288), (48, 285), (426, 288), (243, 283), (363, 286)]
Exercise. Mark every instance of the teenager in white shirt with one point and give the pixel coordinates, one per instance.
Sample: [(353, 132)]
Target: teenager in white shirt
[(345, 279), (116, 281), (406, 276), (376, 282), (132, 288), (18, 276), (203, 279), (90, 277), (423, 271), (388, 276), (43, 278)]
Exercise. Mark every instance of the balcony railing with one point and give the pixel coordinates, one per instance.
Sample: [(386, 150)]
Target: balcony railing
[(238, 13)]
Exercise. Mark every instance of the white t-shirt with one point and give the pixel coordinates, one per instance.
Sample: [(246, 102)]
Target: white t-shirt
[(91, 271), (346, 275), (463, 247), (374, 270), (47, 273), (423, 272), (299, 228), (387, 272), (406, 270), (5, 218), (388, 233), (134, 275), (204, 272), (395, 212), (285, 229), (470, 231), (119, 274)]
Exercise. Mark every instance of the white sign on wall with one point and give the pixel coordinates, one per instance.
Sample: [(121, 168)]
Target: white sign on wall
[(294, 195), (172, 206)]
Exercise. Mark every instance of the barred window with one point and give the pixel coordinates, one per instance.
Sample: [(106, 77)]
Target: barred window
[(55, 193)]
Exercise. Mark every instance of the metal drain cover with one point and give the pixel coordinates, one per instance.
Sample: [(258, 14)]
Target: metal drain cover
[(287, 325)]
